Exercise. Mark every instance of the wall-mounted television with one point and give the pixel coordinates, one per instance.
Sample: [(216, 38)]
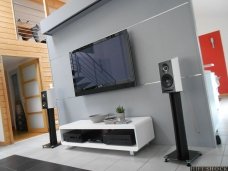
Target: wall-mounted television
[(103, 65)]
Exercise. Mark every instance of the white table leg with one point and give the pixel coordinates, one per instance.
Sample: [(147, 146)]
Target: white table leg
[(132, 153)]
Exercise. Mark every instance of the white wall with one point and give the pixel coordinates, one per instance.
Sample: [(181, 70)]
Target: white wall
[(2, 139), (211, 15), (158, 30)]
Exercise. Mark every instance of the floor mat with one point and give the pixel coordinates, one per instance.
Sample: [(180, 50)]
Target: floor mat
[(19, 163)]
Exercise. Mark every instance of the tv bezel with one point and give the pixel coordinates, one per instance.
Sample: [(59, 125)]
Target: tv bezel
[(113, 87)]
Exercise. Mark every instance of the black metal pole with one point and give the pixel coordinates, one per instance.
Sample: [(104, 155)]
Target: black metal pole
[(179, 127), (52, 130)]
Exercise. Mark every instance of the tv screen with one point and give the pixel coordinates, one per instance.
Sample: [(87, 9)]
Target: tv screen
[(103, 65)]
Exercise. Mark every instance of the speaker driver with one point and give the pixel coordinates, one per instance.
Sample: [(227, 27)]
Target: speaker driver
[(165, 68), (167, 81)]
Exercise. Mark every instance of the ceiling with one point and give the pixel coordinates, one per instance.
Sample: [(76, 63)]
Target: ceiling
[(215, 8), (10, 62), (65, 1), (55, 4)]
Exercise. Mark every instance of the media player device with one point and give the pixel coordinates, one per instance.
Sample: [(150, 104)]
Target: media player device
[(77, 136), (119, 137), (80, 136)]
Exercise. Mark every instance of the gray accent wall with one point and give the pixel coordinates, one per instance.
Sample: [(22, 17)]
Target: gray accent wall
[(158, 30)]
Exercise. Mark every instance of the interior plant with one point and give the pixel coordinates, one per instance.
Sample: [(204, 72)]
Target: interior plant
[(120, 113), (120, 109)]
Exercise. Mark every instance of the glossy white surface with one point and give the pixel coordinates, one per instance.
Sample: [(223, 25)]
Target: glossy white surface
[(51, 100), (142, 126), (87, 124), (177, 74)]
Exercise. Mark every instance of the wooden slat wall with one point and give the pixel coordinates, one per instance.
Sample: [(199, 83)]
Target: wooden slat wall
[(10, 46), (5, 107)]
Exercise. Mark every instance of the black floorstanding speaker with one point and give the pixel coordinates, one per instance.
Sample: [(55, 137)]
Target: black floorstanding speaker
[(48, 103), (171, 84)]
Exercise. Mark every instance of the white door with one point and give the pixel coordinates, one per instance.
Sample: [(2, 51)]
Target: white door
[(31, 89)]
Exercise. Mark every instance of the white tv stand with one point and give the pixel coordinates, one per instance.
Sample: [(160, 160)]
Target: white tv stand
[(142, 126)]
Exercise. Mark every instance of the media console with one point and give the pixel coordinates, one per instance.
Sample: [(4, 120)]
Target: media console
[(142, 127)]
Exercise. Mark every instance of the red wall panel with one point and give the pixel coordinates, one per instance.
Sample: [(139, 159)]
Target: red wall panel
[(212, 52)]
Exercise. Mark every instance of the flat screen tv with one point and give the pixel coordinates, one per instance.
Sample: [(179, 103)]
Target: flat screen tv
[(103, 65)]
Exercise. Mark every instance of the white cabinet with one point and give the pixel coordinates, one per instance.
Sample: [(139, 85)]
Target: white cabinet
[(213, 97), (142, 126)]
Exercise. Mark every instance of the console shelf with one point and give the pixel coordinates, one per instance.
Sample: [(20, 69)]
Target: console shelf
[(142, 126)]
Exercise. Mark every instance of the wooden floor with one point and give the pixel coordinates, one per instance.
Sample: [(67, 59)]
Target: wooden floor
[(18, 136)]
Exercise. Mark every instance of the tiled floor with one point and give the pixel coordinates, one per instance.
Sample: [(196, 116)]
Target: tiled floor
[(20, 163), (148, 159)]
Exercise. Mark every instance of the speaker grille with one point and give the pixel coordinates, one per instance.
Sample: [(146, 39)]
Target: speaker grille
[(167, 81)]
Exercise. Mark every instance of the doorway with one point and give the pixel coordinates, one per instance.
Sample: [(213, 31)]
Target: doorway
[(24, 87), (214, 58), (215, 73)]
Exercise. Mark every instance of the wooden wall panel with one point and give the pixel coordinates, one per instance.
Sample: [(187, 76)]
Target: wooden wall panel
[(7, 36), (7, 25), (5, 9), (7, 30), (5, 107), (24, 43), (6, 4), (10, 46), (7, 20), (6, 14), (26, 49)]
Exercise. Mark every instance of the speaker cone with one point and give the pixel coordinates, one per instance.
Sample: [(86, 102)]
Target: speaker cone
[(167, 81)]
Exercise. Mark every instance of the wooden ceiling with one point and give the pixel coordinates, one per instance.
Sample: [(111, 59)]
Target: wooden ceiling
[(55, 4)]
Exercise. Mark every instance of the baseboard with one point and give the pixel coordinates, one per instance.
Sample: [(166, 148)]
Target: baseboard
[(2, 144), (223, 95)]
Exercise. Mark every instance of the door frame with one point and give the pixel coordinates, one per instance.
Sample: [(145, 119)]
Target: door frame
[(4, 101)]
